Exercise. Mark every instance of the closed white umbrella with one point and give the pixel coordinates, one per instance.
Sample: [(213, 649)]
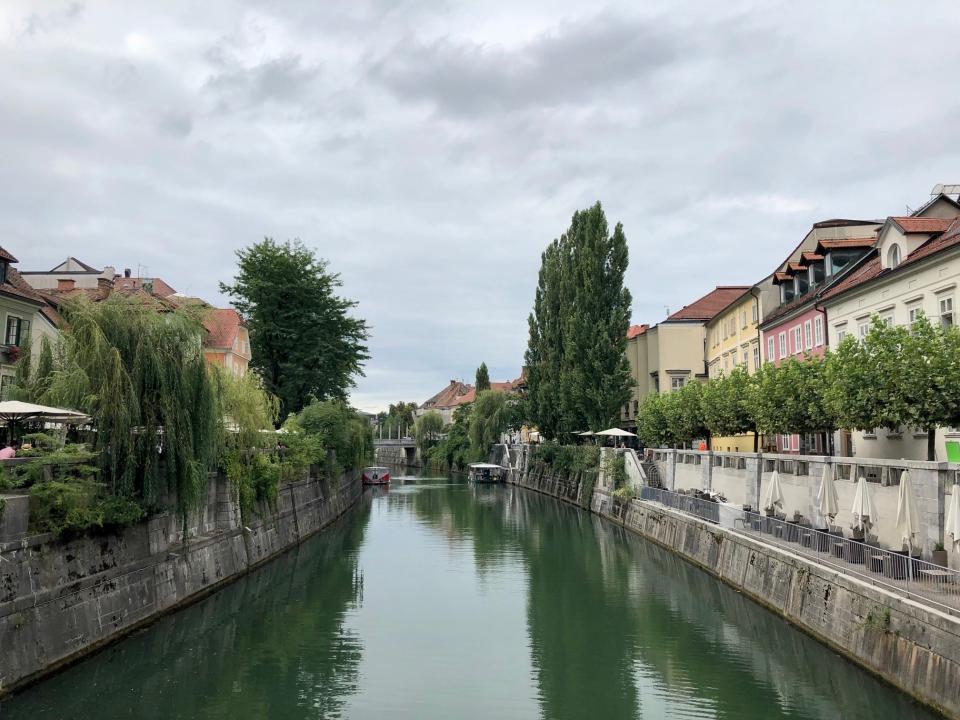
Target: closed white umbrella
[(908, 518), (773, 497), (951, 530), (864, 512), (827, 500)]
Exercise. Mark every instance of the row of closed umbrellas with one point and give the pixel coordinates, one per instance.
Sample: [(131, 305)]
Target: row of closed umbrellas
[(864, 512)]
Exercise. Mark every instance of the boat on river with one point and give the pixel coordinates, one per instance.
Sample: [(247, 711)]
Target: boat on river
[(376, 476), (485, 473)]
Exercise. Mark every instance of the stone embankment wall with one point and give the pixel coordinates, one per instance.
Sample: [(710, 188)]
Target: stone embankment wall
[(397, 455), (912, 646), (61, 600)]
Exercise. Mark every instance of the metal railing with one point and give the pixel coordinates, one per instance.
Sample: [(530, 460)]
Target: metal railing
[(895, 571)]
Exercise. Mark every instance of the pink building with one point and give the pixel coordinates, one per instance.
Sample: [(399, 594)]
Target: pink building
[(797, 327)]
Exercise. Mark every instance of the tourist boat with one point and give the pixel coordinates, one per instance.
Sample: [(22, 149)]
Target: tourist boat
[(376, 476), (485, 473)]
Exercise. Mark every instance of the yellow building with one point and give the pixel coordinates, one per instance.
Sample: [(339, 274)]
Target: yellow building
[(733, 340)]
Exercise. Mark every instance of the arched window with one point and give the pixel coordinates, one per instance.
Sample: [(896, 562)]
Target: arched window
[(893, 256)]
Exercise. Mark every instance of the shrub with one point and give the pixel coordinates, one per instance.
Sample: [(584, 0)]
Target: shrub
[(74, 507)]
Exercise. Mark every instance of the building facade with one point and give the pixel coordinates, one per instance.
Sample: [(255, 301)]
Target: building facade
[(796, 326), (913, 268), (26, 319), (227, 343)]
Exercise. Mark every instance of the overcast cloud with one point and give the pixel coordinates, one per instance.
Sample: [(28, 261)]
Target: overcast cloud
[(430, 151)]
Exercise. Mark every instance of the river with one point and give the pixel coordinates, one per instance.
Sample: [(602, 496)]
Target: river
[(439, 599)]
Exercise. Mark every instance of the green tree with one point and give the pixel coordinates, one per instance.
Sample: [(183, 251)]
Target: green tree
[(578, 375), (400, 418), (303, 339), (726, 406), (685, 415), (652, 423), (141, 375), (897, 377), (483, 378), (427, 430), (490, 416), (341, 429)]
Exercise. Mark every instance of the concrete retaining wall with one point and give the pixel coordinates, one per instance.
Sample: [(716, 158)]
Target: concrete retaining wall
[(913, 647), (61, 600)]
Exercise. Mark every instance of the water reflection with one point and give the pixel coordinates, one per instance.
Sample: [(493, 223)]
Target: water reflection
[(272, 645)]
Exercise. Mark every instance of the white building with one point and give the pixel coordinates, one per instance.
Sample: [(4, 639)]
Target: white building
[(914, 267)]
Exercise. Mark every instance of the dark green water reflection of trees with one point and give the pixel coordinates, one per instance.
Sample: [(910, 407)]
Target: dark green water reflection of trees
[(444, 600)]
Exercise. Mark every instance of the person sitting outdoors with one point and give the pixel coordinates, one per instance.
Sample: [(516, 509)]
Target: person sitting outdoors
[(7, 452)]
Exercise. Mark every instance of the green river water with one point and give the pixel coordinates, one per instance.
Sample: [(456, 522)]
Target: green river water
[(439, 599)]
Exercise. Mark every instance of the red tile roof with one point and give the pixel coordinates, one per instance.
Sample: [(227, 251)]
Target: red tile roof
[(846, 243), (872, 269), (922, 225), (17, 287), (4, 255), (450, 396), (160, 288), (810, 257), (222, 326), (636, 331), (710, 304), (796, 267)]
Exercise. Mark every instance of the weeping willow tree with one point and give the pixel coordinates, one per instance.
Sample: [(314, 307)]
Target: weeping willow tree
[(138, 370), (491, 415)]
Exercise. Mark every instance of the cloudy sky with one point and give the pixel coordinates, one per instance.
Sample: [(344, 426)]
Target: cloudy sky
[(430, 150)]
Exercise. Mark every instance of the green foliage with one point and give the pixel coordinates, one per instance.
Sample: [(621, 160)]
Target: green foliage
[(568, 459), (398, 419), (653, 427), (455, 450), (489, 417), (483, 378), (578, 375), (726, 404), (303, 340), (897, 377), (428, 430), (685, 415), (338, 428), (137, 369), (256, 477), (77, 506), (615, 469)]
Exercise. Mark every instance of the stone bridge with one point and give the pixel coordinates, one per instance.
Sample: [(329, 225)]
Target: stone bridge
[(396, 450)]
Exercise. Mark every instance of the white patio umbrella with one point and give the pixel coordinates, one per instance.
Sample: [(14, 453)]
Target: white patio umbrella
[(616, 432), (864, 511), (827, 500), (908, 518), (773, 497), (951, 529), (586, 434), (16, 411)]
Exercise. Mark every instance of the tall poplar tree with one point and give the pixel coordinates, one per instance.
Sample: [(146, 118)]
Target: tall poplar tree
[(483, 378), (578, 375)]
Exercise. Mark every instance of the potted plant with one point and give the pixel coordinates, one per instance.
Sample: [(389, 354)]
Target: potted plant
[(939, 555)]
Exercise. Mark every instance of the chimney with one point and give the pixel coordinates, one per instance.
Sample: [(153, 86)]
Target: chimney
[(126, 272), (104, 285), (65, 285)]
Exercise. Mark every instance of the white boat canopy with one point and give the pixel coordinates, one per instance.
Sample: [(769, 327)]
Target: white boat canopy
[(485, 466)]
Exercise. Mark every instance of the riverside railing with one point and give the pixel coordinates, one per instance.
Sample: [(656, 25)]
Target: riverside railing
[(895, 571)]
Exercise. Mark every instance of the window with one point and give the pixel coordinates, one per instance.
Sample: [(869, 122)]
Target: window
[(915, 314), (784, 442), (726, 363), (888, 319), (677, 382), (783, 344), (841, 334), (14, 327), (3, 272), (743, 318), (893, 256), (797, 340), (771, 353), (6, 382), (807, 335), (818, 331), (756, 356), (756, 312), (746, 362), (862, 329), (946, 311)]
